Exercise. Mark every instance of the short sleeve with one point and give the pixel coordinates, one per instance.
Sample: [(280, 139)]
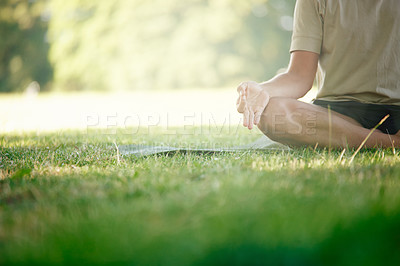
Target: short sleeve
[(308, 26)]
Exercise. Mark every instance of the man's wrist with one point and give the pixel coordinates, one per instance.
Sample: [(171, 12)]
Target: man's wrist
[(267, 88)]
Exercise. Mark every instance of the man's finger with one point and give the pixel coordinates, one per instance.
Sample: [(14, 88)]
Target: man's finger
[(240, 106), (251, 119), (257, 117), (241, 87), (242, 90), (246, 117)]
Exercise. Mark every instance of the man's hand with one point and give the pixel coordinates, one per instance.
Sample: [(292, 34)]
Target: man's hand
[(251, 102)]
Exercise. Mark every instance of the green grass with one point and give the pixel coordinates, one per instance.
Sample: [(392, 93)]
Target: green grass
[(68, 198)]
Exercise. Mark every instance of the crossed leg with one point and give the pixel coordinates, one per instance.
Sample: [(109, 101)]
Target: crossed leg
[(296, 123)]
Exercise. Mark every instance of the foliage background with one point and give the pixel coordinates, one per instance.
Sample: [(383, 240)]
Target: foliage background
[(135, 45), (23, 48)]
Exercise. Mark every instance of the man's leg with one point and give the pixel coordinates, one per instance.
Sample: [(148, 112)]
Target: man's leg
[(297, 123)]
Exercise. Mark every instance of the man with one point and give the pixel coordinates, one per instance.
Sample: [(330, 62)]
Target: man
[(356, 45)]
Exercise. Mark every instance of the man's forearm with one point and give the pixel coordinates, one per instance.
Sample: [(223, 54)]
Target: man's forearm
[(299, 78), (287, 85)]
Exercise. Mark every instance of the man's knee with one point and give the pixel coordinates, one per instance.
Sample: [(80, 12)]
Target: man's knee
[(275, 114), (281, 119)]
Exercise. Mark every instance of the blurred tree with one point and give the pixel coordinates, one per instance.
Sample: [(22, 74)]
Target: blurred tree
[(160, 44), (23, 49), (142, 44)]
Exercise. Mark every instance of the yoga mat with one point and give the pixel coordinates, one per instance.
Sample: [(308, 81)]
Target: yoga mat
[(263, 143)]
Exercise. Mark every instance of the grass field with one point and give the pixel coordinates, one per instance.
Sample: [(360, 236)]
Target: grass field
[(69, 198)]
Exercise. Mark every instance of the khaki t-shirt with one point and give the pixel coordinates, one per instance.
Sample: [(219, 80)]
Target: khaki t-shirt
[(358, 42)]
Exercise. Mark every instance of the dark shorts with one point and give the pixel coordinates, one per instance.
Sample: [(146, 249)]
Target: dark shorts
[(368, 115)]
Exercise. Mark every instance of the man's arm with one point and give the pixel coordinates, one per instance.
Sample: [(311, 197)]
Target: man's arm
[(295, 83), (298, 79)]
